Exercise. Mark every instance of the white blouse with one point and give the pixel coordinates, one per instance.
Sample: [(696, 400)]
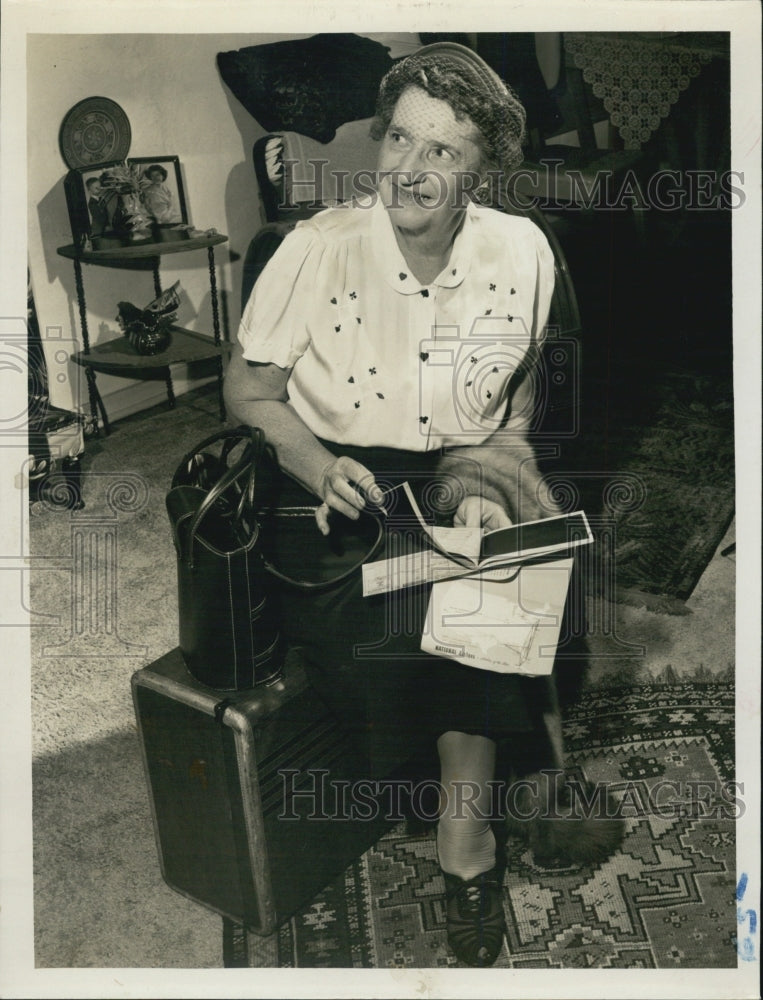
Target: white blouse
[(378, 358)]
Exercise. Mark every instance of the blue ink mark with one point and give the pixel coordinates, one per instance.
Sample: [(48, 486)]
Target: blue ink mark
[(746, 949), (750, 915), (741, 886), (745, 946)]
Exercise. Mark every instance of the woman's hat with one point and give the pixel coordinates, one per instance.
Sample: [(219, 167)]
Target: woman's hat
[(472, 66)]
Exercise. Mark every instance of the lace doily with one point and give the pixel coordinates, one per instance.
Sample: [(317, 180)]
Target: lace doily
[(638, 79)]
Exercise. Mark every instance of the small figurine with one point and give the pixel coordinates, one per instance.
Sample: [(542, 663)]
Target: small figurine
[(149, 330)]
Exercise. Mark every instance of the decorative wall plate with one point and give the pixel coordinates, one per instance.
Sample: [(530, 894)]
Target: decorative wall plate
[(93, 131)]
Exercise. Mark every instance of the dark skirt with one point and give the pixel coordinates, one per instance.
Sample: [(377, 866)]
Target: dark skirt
[(363, 654)]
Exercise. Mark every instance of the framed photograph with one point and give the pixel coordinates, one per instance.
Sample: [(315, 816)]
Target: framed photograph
[(92, 203), (161, 189), (113, 202)]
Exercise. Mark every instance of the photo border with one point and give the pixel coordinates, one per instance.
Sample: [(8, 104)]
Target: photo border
[(75, 188), (18, 974), (174, 162)]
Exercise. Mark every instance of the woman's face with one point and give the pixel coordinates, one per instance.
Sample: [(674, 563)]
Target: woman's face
[(428, 161), (155, 176)]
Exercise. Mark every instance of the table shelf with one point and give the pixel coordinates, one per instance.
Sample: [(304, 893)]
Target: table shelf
[(115, 252), (118, 357), (112, 357)]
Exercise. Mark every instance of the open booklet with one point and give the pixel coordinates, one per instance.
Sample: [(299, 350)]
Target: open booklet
[(463, 551), (508, 626)]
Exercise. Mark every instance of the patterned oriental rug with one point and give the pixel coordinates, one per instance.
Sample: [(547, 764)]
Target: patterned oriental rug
[(665, 900)]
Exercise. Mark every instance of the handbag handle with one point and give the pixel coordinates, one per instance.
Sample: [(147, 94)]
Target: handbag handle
[(323, 584), (246, 465), (229, 436)]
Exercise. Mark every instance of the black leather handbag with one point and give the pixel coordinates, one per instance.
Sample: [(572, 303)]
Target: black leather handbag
[(238, 554)]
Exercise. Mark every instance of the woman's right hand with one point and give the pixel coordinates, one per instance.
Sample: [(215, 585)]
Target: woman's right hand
[(257, 395), (344, 485)]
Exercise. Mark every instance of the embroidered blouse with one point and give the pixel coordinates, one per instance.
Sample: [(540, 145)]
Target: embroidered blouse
[(376, 357)]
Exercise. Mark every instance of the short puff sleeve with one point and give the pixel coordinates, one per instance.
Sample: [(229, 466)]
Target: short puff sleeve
[(274, 325)]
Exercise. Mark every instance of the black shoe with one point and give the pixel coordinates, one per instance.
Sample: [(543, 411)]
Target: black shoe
[(475, 917)]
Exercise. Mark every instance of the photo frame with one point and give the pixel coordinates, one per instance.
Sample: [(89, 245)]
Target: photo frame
[(102, 214), (87, 220), (166, 205)]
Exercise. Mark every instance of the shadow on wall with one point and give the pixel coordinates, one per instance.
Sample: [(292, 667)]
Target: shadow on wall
[(270, 84), (242, 200)]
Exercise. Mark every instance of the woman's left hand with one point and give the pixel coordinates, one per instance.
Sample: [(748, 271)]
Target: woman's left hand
[(475, 511)]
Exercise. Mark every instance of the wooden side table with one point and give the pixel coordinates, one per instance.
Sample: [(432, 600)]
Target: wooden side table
[(118, 357)]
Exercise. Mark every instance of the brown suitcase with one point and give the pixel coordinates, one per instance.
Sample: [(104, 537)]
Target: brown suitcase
[(248, 791)]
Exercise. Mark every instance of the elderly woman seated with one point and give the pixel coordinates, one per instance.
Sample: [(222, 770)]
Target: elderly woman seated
[(333, 365)]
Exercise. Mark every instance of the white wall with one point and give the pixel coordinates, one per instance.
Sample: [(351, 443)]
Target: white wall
[(176, 102)]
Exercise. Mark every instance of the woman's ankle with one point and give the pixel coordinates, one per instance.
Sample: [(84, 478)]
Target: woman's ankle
[(465, 852)]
